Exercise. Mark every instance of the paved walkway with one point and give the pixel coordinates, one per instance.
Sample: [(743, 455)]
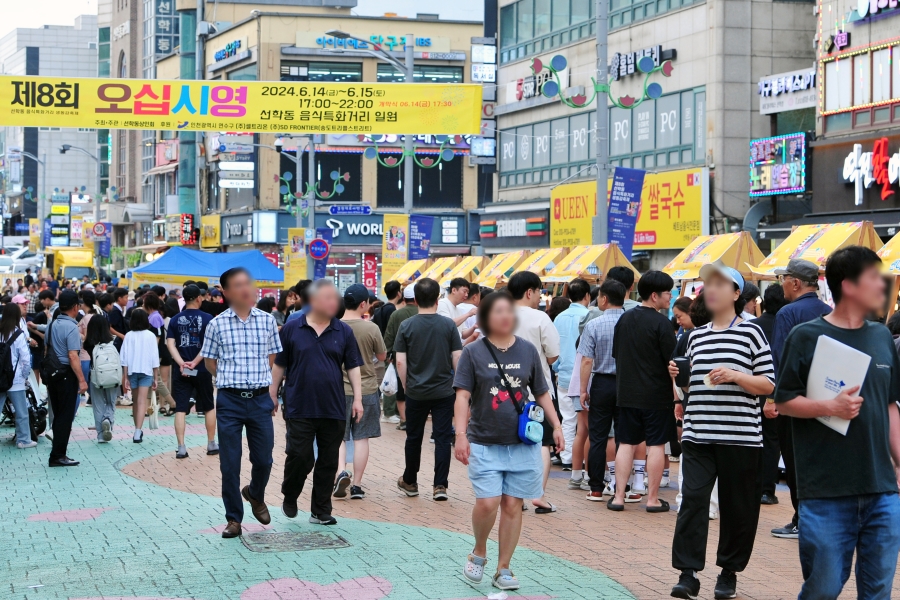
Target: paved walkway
[(133, 522)]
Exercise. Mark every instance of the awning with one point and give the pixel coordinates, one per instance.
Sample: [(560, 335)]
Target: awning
[(589, 262), (890, 255), (468, 268), (885, 221), (162, 169), (410, 271), (439, 267), (815, 243), (735, 250), (543, 261), (178, 265), (500, 268)]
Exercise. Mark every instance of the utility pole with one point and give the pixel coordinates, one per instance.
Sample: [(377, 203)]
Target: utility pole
[(408, 151), (600, 233), (311, 196), (199, 61)]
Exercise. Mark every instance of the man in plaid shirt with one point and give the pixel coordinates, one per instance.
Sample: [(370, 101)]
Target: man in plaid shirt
[(239, 348)]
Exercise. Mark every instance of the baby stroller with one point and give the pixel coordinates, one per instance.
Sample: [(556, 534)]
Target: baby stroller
[(37, 413)]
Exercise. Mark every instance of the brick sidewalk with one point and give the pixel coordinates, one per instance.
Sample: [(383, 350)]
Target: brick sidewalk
[(634, 548)]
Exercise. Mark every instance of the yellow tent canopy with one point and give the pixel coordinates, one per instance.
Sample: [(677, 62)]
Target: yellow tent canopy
[(579, 263), (736, 250), (543, 261), (468, 268), (890, 255), (439, 267), (408, 272), (500, 267), (815, 243)]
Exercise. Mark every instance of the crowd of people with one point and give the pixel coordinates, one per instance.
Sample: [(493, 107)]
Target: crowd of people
[(602, 385)]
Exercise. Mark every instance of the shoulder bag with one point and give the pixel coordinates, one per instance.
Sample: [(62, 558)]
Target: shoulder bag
[(531, 415)]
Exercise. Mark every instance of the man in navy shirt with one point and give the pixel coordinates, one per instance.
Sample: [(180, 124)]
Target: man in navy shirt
[(316, 347), (800, 281)]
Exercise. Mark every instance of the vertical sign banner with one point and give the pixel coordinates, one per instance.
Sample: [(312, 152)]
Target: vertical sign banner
[(48, 233), (105, 240), (624, 206), (320, 269), (294, 257), (370, 272), (394, 246), (34, 232), (76, 230), (420, 236)]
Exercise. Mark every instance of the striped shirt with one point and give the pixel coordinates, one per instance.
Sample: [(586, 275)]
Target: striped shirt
[(727, 413), (242, 349)]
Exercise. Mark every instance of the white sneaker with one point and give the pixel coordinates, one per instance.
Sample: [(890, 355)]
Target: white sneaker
[(610, 489), (586, 484), (576, 484), (392, 419), (713, 516), (640, 490), (664, 482), (22, 446)]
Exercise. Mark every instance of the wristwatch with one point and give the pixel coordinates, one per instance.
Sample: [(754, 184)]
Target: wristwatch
[(770, 400)]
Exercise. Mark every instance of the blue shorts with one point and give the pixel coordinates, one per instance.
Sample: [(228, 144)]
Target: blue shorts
[(576, 403), (515, 470), (137, 380)]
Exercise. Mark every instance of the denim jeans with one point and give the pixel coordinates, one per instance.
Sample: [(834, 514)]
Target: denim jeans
[(833, 528), (20, 403)]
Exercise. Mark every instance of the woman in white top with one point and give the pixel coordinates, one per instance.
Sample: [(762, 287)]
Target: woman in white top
[(20, 356), (140, 367)]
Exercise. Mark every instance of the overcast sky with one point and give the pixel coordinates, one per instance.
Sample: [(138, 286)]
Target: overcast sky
[(34, 13)]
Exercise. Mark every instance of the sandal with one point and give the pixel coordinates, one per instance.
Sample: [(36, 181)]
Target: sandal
[(545, 510), (504, 579), (662, 508), (474, 569)]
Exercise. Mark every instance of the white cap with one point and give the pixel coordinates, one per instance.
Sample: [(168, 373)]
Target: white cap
[(409, 292)]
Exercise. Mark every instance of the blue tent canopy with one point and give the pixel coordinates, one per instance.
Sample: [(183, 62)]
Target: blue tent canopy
[(179, 264)]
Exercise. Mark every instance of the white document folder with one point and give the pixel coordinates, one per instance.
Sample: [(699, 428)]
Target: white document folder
[(835, 367)]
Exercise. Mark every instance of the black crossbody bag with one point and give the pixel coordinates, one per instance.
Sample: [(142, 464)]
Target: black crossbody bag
[(529, 430)]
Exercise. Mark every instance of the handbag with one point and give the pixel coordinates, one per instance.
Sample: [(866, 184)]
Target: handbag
[(531, 415), (153, 420)]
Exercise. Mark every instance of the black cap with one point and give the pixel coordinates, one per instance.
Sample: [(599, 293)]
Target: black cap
[(358, 293), (67, 299), (190, 292)]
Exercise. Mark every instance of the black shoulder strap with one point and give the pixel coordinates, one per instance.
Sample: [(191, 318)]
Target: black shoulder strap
[(503, 381)]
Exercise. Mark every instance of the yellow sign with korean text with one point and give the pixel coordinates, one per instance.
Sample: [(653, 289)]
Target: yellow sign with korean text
[(34, 231), (394, 245), (294, 257), (394, 108), (674, 210), (210, 231)]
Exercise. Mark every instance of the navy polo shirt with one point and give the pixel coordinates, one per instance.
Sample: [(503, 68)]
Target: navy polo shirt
[(314, 382)]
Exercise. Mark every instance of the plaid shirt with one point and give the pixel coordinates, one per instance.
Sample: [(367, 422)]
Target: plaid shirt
[(32, 298), (242, 349), (597, 341)]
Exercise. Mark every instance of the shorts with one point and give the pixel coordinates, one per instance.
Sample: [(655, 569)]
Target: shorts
[(369, 425), (37, 358), (576, 402), (199, 387), (654, 426), (515, 470), (137, 380)]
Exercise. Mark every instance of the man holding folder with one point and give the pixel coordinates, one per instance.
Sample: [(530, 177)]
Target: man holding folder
[(847, 484)]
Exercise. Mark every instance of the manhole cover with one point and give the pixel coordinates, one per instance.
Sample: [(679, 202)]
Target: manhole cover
[(293, 542)]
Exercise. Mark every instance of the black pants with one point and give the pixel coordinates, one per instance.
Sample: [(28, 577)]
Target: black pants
[(63, 392), (786, 441), (328, 435), (600, 419), (738, 471), (771, 452), (442, 425)]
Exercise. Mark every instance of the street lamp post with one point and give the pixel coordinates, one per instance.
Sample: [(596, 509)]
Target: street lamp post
[(65, 148), (600, 233), (43, 191), (311, 184)]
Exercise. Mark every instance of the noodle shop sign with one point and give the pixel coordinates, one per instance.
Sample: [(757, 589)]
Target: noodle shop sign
[(879, 167)]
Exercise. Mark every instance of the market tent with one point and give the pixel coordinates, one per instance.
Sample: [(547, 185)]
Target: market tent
[(468, 268), (410, 271), (501, 267), (890, 255), (439, 267), (735, 250), (589, 262), (543, 261), (178, 265), (815, 243)]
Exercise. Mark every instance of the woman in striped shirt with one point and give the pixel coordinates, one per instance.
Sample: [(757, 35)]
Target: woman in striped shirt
[(731, 366)]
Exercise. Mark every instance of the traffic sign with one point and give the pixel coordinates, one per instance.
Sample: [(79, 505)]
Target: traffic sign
[(319, 249), (349, 209), (99, 229), (236, 174), (235, 148)]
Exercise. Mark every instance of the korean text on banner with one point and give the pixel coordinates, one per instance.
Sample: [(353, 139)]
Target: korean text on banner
[(320, 267), (294, 257), (624, 206), (674, 209), (420, 236), (252, 106), (394, 245), (34, 232)]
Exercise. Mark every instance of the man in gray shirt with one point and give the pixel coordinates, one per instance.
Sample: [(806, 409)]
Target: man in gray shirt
[(67, 382)]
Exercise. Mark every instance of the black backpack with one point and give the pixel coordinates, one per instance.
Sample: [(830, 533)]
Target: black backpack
[(7, 369), (51, 367)]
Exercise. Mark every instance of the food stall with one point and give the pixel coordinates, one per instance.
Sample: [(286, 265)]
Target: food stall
[(178, 265), (735, 250), (500, 268), (439, 267), (541, 262), (410, 271), (590, 263), (890, 255), (469, 268)]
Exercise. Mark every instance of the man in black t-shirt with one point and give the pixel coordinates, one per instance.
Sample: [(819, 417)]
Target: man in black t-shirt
[(394, 293), (643, 344)]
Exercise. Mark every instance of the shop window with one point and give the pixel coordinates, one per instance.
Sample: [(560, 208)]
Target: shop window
[(896, 71), (542, 14), (247, 73), (792, 121), (560, 16), (421, 74), (437, 187), (327, 163), (581, 11), (321, 71), (525, 20), (838, 84), (881, 70), (838, 122), (862, 79), (508, 26)]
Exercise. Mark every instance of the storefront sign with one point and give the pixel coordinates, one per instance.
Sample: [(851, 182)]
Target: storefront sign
[(357, 230), (869, 9), (420, 229), (166, 152), (165, 24), (307, 39), (623, 65), (59, 221), (420, 140), (787, 91), (237, 229), (231, 49), (862, 169), (522, 229), (209, 231), (841, 40), (624, 206), (349, 209), (529, 87), (394, 245), (674, 209), (240, 105), (778, 165), (180, 230), (370, 272)]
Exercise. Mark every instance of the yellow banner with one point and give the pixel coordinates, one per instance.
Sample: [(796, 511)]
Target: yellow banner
[(674, 210), (294, 257), (34, 231), (394, 245), (210, 232), (395, 108)]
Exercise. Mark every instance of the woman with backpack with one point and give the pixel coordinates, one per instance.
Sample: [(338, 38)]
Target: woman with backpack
[(88, 302), (105, 370), (15, 364), (140, 367)]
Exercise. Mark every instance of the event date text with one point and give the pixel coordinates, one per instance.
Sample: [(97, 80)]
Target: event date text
[(319, 91)]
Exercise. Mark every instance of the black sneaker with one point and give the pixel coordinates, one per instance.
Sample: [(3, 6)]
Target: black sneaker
[(356, 493), (341, 485), (726, 584), (788, 532), (322, 519), (688, 587), (289, 508), (566, 466), (402, 426)]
